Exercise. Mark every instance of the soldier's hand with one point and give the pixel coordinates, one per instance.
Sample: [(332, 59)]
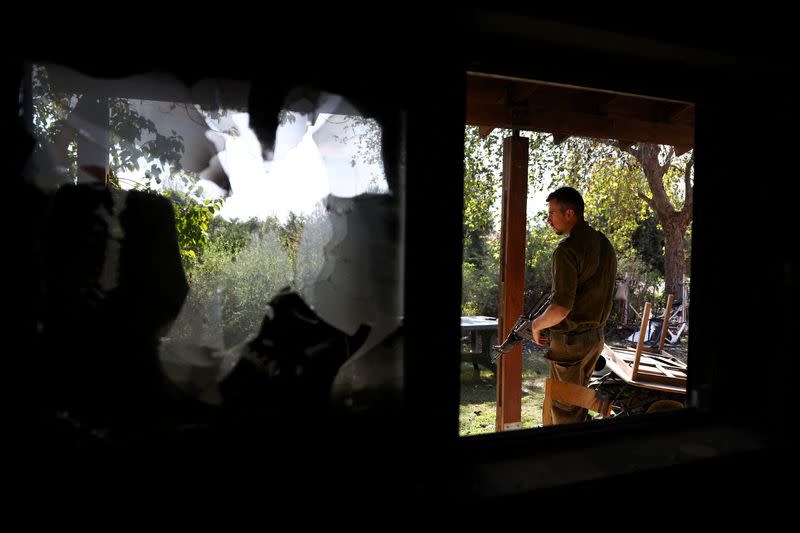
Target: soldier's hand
[(539, 337)]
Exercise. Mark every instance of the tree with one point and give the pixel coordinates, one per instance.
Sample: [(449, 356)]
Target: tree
[(134, 145), (482, 183), (661, 168), (127, 131), (289, 235), (614, 178), (483, 160), (192, 219), (648, 241)]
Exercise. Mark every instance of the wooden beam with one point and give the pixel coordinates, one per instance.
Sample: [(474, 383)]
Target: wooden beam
[(624, 145), (640, 342), (558, 138), (680, 150), (512, 278), (520, 93), (567, 122), (683, 113), (484, 131), (547, 403), (519, 116), (665, 324), (612, 357)]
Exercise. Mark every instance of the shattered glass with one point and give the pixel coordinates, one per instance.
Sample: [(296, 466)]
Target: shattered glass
[(199, 258)]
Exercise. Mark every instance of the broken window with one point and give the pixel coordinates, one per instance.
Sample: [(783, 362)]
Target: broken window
[(209, 253)]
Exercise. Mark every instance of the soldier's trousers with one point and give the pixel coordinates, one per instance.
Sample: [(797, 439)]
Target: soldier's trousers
[(572, 363)]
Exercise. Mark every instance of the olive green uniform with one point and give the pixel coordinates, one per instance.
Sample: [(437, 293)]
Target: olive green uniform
[(584, 274)]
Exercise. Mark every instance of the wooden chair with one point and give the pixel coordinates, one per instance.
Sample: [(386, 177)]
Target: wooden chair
[(572, 394), (645, 367)]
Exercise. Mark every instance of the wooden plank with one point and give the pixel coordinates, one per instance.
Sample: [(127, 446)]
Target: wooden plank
[(669, 360), (485, 131), (547, 404), (664, 387), (653, 385), (624, 145), (648, 366), (659, 382), (682, 112), (640, 343), (571, 122), (665, 325), (655, 370), (645, 377), (513, 220), (659, 364), (646, 358), (664, 370), (624, 371), (489, 79)]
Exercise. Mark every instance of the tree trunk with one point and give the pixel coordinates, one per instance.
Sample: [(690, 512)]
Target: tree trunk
[(673, 222), (674, 257)]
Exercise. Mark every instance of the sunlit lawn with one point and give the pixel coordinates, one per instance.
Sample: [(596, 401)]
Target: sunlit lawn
[(478, 395)]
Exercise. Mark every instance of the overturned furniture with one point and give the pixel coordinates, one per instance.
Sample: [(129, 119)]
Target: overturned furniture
[(650, 368), (653, 370)]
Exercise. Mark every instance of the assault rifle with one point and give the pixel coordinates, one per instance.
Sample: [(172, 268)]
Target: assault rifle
[(522, 329)]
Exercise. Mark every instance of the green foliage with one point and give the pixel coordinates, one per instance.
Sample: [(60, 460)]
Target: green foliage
[(134, 145), (310, 258), (674, 183), (235, 288), (51, 108), (478, 400), (233, 235), (131, 153), (609, 181), (289, 235), (134, 142), (540, 243), (479, 295), (612, 183), (242, 265), (192, 218), (363, 137), (482, 184), (483, 159), (648, 241), (647, 284)]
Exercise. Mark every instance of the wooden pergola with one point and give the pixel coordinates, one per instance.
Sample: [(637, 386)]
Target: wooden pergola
[(564, 111)]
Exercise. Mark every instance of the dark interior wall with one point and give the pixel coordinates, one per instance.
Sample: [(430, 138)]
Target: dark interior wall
[(743, 265)]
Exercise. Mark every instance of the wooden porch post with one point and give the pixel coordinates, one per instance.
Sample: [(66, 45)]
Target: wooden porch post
[(512, 278)]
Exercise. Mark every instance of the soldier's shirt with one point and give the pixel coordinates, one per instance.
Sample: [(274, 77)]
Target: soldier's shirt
[(584, 275)]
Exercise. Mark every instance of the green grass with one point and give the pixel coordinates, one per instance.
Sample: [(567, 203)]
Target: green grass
[(478, 405)]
